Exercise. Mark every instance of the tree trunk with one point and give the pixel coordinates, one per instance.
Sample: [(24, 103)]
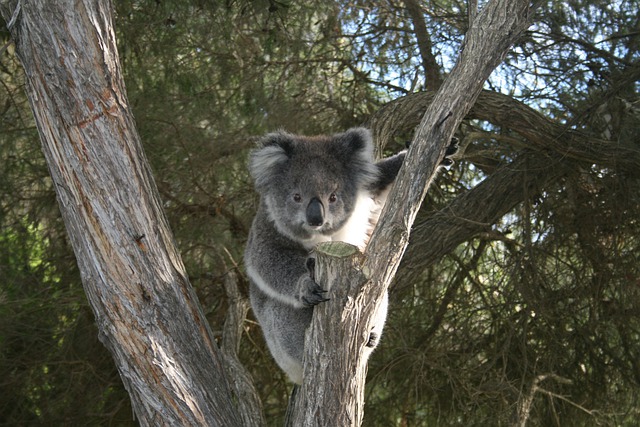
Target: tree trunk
[(335, 342), (490, 36), (146, 310)]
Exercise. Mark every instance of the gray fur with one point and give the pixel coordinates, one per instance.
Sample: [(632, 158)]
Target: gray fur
[(331, 180)]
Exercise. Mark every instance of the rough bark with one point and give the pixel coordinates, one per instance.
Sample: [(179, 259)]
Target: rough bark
[(136, 284), (249, 403), (493, 31), (539, 132), (335, 341)]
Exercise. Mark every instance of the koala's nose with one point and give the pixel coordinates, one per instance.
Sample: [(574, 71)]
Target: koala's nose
[(315, 213)]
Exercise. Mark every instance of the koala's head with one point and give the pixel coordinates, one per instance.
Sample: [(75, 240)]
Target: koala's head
[(311, 184)]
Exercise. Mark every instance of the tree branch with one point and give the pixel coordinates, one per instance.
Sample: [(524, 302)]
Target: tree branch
[(478, 209), (496, 27), (146, 310), (433, 80), (332, 393), (340, 385), (249, 404), (403, 114)]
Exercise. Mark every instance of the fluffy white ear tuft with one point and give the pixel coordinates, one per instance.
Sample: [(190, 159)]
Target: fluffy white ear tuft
[(265, 162)]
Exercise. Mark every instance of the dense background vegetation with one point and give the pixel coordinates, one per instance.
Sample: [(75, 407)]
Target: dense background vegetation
[(536, 315)]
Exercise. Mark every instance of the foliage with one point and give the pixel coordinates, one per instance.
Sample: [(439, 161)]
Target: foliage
[(542, 306)]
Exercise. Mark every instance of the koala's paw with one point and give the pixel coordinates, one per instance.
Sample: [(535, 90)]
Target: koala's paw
[(373, 340), (450, 151), (311, 293)]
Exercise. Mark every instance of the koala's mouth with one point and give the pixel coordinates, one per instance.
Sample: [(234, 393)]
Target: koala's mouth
[(324, 228)]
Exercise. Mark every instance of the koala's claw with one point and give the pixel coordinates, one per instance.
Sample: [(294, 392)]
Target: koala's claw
[(450, 151), (314, 300), (446, 162), (373, 340), (315, 295), (453, 147)]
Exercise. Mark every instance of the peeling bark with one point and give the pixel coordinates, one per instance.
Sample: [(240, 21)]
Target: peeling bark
[(147, 313)]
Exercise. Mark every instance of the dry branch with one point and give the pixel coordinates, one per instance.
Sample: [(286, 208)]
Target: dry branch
[(488, 40)]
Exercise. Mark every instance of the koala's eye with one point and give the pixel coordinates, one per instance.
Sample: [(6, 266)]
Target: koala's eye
[(333, 198), (297, 198)]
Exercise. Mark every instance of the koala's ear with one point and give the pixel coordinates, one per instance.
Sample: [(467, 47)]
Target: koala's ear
[(356, 146), (265, 162), (357, 142)]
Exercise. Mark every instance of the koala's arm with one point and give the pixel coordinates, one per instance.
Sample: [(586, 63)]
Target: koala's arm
[(387, 171), (388, 168), (283, 273)]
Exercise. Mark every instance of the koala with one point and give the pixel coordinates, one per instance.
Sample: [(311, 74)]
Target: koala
[(312, 190)]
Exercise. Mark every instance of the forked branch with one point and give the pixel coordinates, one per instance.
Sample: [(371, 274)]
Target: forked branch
[(493, 31)]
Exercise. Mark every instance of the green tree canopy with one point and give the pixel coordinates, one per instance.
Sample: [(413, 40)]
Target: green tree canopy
[(519, 296)]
